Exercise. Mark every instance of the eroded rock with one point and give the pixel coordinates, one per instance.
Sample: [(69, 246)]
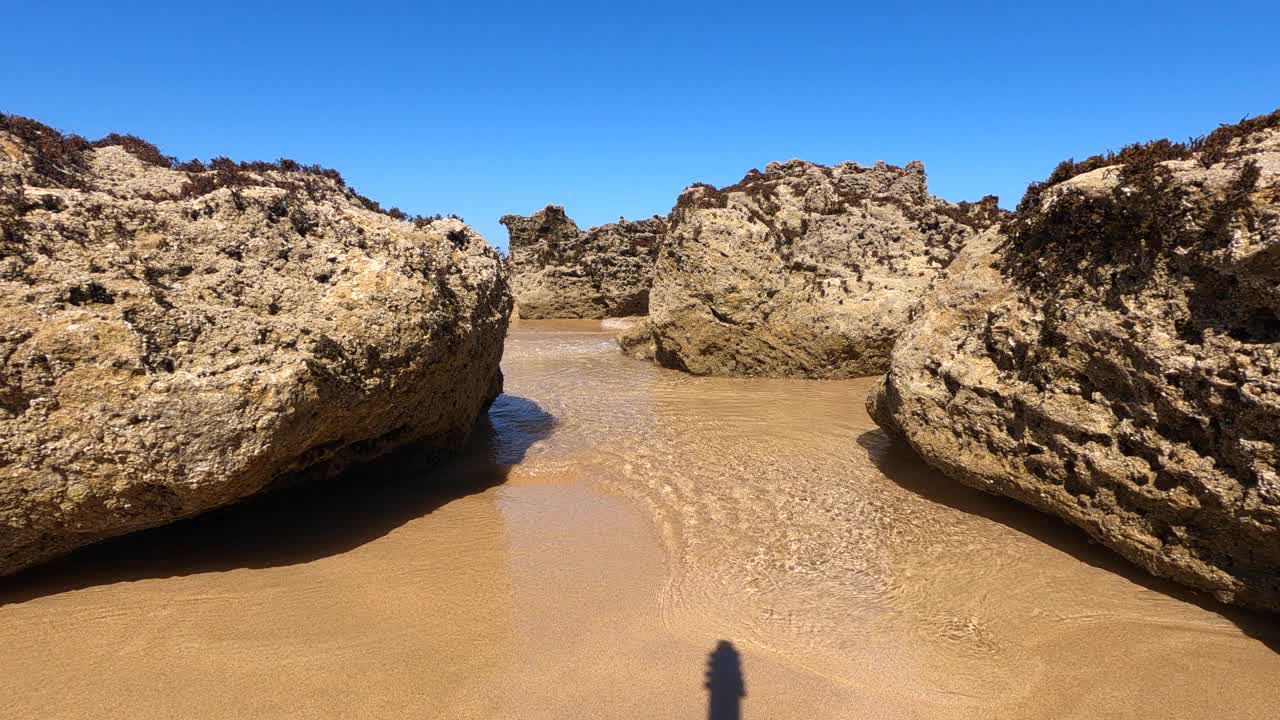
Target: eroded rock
[(1112, 357), (801, 271), (173, 340), (559, 271)]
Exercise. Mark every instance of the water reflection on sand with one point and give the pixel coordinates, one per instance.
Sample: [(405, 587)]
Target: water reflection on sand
[(610, 526)]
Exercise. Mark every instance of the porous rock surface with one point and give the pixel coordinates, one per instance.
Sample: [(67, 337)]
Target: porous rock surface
[(1113, 358), (175, 340), (559, 271), (800, 271)]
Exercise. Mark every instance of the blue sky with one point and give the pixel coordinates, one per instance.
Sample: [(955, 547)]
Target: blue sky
[(487, 108)]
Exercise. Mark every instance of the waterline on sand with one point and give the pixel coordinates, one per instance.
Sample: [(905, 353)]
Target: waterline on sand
[(609, 527)]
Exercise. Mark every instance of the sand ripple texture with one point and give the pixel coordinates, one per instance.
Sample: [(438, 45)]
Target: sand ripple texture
[(610, 524)]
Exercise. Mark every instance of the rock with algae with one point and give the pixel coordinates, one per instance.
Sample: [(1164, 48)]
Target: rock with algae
[(559, 271), (176, 338), (799, 271), (1112, 357)]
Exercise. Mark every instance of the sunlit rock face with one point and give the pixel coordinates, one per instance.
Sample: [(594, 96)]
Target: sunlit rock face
[(559, 271), (176, 337), (1112, 357), (799, 271)]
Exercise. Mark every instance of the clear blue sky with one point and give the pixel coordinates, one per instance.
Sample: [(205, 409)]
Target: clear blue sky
[(482, 108)]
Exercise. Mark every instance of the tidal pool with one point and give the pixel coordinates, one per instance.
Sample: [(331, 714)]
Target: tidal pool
[(621, 540)]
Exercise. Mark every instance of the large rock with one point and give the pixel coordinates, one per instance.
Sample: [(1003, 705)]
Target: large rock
[(802, 270), (175, 340), (559, 271), (1113, 358)]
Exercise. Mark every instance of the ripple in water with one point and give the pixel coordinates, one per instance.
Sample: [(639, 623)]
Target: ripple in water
[(611, 527), (793, 522)]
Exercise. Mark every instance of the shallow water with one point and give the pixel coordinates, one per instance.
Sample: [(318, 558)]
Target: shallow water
[(612, 523)]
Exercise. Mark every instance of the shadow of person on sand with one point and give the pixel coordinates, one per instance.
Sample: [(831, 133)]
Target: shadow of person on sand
[(899, 462), (724, 683), (304, 522)]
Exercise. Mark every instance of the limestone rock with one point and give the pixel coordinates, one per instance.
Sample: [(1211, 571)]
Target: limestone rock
[(1112, 357), (802, 270), (559, 271), (173, 340)]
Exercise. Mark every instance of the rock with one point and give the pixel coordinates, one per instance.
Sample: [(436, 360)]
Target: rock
[(1112, 357), (637, 340), (559, 271), (173, 340), (801, 271)]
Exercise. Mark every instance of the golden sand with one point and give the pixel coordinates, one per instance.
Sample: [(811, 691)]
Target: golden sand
[(610, 527)]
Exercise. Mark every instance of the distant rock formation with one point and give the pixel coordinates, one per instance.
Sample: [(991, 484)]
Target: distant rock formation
[(177, 337), (799, 271), (1112, 357), (559, 271)]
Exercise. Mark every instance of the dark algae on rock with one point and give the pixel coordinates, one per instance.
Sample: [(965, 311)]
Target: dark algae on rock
[(176, 337), (801, 270), (1112, 356)]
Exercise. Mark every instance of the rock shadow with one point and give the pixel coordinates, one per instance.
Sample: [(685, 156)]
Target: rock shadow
[(303, 522), (724, 683), (899, 462)]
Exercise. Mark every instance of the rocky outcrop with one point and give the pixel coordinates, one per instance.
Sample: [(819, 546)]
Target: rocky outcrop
[(559, 271), (1112, 357), (801, 271), (176, 337)]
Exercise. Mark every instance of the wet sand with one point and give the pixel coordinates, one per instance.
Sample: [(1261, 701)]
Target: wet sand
[(606, 529)]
